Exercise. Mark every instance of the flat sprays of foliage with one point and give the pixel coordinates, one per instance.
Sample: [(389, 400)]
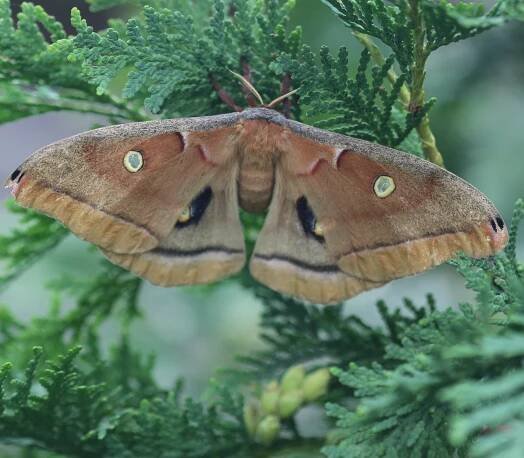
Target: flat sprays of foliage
[(426, 383)]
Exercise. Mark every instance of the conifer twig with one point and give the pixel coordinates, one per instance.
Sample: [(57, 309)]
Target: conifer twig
[(76, 105), (285, 88), (250, 98), (412, 100), (378, 58), (223, 94), (418, 75)]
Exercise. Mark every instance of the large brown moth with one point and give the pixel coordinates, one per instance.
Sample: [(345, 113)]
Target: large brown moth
[(162, 198)]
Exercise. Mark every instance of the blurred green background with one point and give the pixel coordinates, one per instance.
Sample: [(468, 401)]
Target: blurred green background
[(479, 125)]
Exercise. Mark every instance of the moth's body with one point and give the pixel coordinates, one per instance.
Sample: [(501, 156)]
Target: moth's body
[(161, 199), (258, 153)]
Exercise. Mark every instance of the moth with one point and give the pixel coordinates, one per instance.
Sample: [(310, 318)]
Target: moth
[(162, 198)]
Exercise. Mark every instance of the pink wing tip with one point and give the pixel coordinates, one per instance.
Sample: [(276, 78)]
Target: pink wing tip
[(497, 233), (15, 181)]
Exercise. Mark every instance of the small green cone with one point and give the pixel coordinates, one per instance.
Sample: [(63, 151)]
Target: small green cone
[(316, 384), (289, 403), (251, 415), (267, 430), (269, 398), (293, 378)]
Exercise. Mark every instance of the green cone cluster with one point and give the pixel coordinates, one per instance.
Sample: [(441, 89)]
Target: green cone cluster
[(279, 401)]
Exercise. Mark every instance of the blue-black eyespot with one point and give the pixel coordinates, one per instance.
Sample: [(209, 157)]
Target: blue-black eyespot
[(194, 212), (308, 220)]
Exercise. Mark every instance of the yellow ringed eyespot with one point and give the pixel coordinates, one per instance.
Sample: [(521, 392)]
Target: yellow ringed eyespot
[(185, 215), (133, 161), (318, 230), (383, 186)]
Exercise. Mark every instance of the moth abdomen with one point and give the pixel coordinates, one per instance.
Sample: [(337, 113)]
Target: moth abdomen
[(255, 182)]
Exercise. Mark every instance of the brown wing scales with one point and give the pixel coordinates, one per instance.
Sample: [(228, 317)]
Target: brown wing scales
[(87, 187), (292, 260), (431, 215), (345, 215), (206, 247)]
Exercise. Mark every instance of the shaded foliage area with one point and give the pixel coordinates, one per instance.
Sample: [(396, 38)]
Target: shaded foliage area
[(427, 381)]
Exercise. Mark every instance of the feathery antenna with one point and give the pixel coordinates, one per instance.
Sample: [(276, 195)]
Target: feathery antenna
[(249, 86), (282, 97)]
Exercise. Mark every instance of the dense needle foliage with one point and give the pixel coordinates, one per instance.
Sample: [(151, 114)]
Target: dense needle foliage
[(428, 383)]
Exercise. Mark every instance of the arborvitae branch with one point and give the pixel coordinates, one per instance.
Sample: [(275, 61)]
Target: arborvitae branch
[(442, 361), (184, 61), (430, 25), (298, 333), (98, 297), (24, 246), (358, 106)]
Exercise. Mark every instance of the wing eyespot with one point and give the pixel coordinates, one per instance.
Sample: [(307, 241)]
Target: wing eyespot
[(308, 220), (133, 161), (384, 186), (318, 230), (194, 212), (185, 216)]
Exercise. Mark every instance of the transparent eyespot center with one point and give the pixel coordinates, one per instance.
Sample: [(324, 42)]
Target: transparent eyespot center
[(133, 161), (185, 216), (318, 230), (384, 186)]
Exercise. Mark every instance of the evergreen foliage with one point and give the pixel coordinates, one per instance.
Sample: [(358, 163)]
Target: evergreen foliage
[(425, 383), (399, 25), (355, 106), (177, 59), (460, 366), (22, 247)]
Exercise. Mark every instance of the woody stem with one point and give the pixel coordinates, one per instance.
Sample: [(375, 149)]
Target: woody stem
[(224, 95), (408, 99), (246, 71), (418, 75), (285, 87)]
